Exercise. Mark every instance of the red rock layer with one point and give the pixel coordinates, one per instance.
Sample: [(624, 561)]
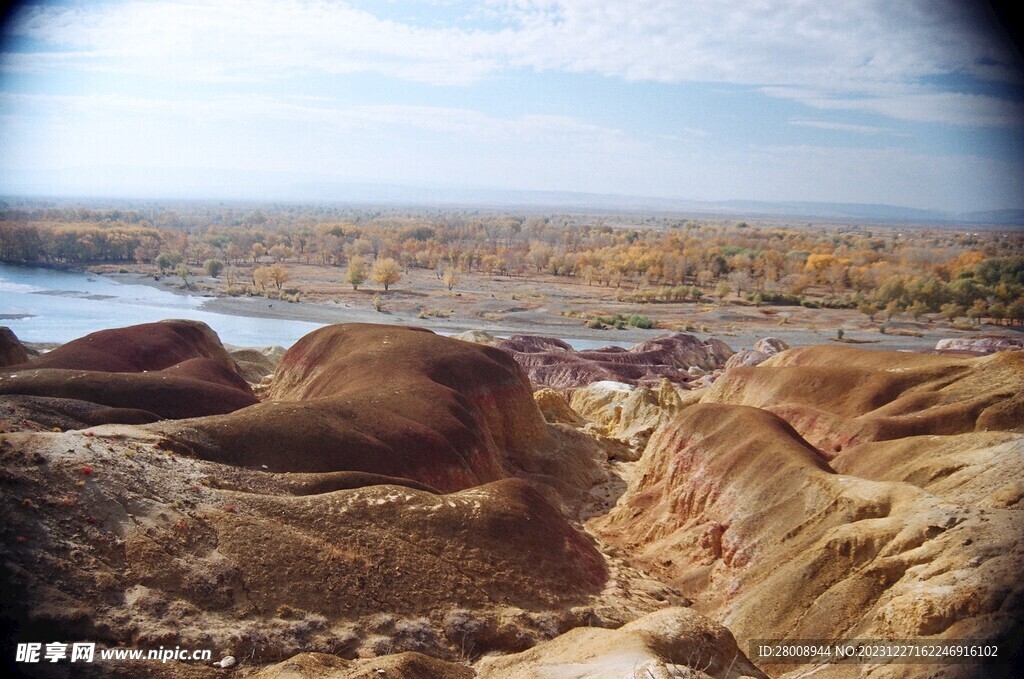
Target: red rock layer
[(553, 363), (166, 370)]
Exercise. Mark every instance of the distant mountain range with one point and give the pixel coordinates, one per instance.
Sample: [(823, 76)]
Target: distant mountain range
[(288, 187), (567, 200)]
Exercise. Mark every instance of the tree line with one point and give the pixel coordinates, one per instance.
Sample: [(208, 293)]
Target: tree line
[(877, 269)]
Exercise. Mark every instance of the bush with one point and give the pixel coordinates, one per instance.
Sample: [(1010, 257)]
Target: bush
[(213, 267), (618, 321), (776, 298), (838, 303), (641, 322)]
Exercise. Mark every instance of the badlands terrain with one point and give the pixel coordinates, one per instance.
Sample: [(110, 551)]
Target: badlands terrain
[(382, 501)]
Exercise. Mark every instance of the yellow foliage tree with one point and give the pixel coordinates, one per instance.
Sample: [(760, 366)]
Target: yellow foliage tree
[(386, 272)]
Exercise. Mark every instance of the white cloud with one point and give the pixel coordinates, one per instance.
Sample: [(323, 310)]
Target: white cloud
[(913, 103), (814, 52), (232, 40), (241, 111), (843, 127)]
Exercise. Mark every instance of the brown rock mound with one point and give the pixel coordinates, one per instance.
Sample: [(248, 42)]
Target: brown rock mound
[(400, 402), (172, 369), (839, 396), (139, 348), (732, 506), (43, 413), (166, 396), (12, 351), (553, 363), (765, 348)]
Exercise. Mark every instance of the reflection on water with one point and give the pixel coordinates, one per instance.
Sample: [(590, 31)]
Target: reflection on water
[(43, 305)]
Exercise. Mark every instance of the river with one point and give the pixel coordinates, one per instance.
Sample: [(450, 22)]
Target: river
[(47, 305)]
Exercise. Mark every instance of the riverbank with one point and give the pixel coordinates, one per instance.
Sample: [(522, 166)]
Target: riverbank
[(543, 306), (399, 307), (527, 307)]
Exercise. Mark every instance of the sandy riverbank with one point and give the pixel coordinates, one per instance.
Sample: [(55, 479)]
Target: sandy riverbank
[(497, 307)]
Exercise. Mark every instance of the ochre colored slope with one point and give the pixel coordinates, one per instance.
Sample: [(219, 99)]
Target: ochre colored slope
[(840, 396), (674, 642), (736, 509), (109, 538)]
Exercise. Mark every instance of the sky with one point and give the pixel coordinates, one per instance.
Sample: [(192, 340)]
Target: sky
[(916, 103)]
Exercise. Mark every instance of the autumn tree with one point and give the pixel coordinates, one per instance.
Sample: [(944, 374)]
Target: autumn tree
[(952, 311), (261, 276), (917, 309), (213, 267), (184, 273), (163, 263), (1015, 312), (978, 310), (355, 275), (386, 272), (451, 278), (256, 251), (279, 275), (280, 252), (869, 309)]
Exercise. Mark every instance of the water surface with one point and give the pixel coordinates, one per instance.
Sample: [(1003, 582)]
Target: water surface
[(45, 305)]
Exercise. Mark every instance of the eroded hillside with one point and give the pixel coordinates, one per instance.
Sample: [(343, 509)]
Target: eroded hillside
[(399, 504)]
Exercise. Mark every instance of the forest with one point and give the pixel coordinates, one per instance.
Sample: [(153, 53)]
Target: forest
[(879, 269)]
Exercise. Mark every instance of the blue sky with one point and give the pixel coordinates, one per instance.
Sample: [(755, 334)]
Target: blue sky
[(909, 103)]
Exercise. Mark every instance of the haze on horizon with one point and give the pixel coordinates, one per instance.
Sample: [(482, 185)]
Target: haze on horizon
[(918, 104)]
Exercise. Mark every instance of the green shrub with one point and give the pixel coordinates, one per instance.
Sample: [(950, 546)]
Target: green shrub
[(776, 298), (641, 322)]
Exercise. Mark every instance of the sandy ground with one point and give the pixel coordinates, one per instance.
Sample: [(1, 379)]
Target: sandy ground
[(552, 306)]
